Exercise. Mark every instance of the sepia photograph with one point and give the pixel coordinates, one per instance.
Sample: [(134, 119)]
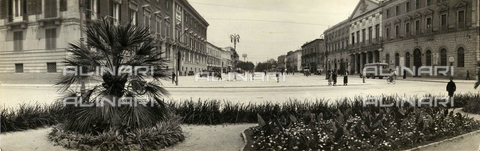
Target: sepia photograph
[(239, 75)]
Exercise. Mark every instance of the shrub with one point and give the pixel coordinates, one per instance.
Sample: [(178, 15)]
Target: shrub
[(163, 134), (354, 127), (30, 116)]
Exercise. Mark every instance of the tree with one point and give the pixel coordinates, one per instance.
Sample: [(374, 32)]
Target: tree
[(246, 66), (113, 46)]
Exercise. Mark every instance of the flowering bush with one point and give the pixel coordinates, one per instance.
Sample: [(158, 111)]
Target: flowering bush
[(354, 127)]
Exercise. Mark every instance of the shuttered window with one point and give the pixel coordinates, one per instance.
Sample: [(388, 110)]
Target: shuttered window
[(51, 38), (18, 41), (3, 9)]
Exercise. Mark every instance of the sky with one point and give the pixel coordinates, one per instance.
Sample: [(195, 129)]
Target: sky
[(270, 28)]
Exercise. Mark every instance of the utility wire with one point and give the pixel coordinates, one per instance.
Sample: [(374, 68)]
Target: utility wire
[(273, 21)]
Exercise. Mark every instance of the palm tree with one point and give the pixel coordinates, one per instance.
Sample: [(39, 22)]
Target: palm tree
[(113, 46)]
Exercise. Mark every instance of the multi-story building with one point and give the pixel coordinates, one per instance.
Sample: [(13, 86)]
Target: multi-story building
[(190, 37), (226, 59), (313, 55), (336, 43), (294, 61), (34, 34), (281, 62), (214, 59), (432, 33), (365, 35)]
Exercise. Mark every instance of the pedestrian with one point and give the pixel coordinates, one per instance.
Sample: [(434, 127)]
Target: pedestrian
[(173, 77), (334, 78), (363, 74), (278, 77), (404, 74), (468, 75), (220, 76), (345, 78), (478, 77), (395, 74), (451, 87), (329, 78)]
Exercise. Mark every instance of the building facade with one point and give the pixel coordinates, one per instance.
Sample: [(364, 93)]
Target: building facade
[(226, 59), (214, 59), (189, 30), (35, 33), (313, 55), (294, 61), (336, 43), (366, 45), (432, 33)]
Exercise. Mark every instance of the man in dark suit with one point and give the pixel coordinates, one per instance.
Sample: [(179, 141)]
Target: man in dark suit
[(451, 87)]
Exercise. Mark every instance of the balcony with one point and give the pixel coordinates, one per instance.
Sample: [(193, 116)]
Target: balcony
[(17, 21)]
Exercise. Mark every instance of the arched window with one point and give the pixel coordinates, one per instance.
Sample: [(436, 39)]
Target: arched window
[(443, 57), (428, 56), (387, 59), (461, 57), (397, 60), (407, 59)]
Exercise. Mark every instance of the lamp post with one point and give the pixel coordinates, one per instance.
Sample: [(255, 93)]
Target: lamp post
[(179, 56), (235, 38)]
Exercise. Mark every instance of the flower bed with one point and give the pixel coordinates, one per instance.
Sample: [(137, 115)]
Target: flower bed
[(354, 127)]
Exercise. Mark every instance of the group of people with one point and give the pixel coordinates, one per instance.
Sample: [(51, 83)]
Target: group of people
[(332, 77)]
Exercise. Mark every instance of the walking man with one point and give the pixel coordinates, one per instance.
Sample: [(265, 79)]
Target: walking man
[(173, 77), (468, 75), (345, 78), (404, 74), (334, 78), (451, 87)]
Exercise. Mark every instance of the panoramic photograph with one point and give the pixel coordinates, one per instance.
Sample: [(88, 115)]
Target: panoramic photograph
[(248, 75)]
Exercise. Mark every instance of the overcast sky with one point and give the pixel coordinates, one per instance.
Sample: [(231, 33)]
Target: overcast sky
[(269, 28)]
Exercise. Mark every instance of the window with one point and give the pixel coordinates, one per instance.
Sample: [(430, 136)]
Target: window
[(388, 13), (19, 68), (159, 26), (429, 24), (443, 24), (407, 7), (461, 19), (417, 27), (407, 29), (397, 31), (51, 67), (51, 38), (407, 59), (397, 10), (417, 4), (63, 5), (167, 4), (116, 13), (377, 32), (397, 60), (353, 38), (429, 2), (388, 33), (133, 17), (146, 19), (363, 36), (461, 57), (387, 59), (428, 56), (92, 9), (443, 57), (18, 40)]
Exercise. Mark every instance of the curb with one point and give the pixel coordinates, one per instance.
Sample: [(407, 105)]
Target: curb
[(444, 141), (245, 141)]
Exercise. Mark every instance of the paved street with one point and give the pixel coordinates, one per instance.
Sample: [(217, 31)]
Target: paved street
[(295, 87)]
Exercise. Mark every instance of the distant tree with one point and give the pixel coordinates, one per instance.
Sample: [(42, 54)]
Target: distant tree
[(246, 66)]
